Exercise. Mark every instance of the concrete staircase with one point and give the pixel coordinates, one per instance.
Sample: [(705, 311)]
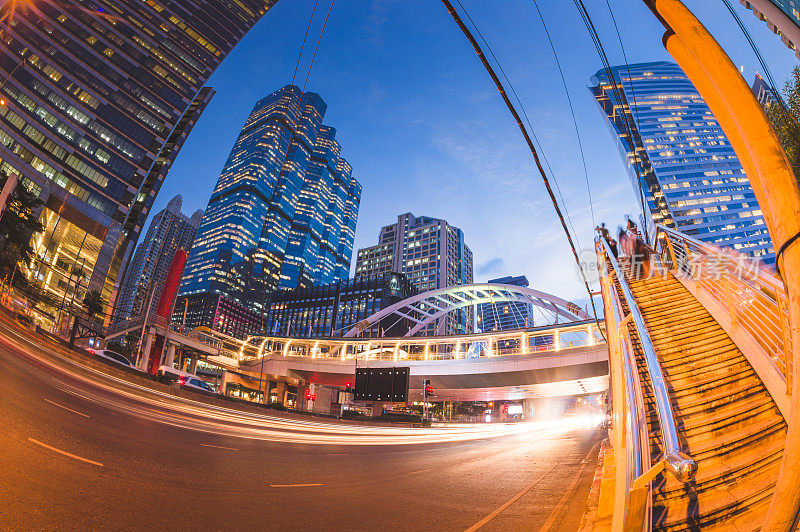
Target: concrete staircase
[(727, 421)]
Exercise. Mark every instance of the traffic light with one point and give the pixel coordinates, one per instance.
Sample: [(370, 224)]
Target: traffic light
[(348, 385), (308, 394), (429, 390)]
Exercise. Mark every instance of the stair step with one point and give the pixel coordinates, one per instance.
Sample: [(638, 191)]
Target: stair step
[(726, 419), (727, 469), (715, 506)]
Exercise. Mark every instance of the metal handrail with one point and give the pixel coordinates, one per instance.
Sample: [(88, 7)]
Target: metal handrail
[(638, 451), (754, 297), (681, 465)]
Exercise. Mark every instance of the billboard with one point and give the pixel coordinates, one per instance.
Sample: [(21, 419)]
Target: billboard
[(382, 384)]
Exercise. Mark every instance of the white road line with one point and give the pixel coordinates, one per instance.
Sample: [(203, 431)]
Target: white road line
[(293, 485), (65, 453), (420, 471), (219, 447), (511, 501), (551, 519), (65, 408)]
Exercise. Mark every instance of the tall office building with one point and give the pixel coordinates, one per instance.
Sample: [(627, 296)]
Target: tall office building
[(765, 94), (683, 169), (781, 16), (333, 309), (169, 231), (430, 252), (284, 209), (99, 97), (507, 315)]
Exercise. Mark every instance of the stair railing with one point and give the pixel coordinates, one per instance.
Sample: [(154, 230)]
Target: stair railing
[(751, 294), (639, 468)]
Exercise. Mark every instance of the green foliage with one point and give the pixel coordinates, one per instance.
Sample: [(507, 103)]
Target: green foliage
[(93, 302), (787, 124), (18, 224)]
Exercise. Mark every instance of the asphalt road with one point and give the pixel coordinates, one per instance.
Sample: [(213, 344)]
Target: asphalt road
[(78, 450)]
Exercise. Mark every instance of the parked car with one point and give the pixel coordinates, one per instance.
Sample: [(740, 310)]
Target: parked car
[(113, 356), (185, 378)]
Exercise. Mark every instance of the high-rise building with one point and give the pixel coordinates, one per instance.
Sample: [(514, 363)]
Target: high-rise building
[(218, 313), (684, 170), (781, 16), (333, 309), (99, 98), (169, 231), (765, 94), (507, 315), (284, 209), (430, 252)]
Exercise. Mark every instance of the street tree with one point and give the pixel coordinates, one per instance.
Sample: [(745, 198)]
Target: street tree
[(786, 119), (93, 302), (18, 224)]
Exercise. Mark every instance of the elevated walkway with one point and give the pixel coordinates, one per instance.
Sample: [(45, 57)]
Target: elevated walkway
[(703, 387)]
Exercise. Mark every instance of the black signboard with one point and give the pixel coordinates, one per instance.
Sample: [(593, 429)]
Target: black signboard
[(382, 384)]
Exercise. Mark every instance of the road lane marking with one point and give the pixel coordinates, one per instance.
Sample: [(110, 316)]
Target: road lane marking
[(511, 501), (65, 453), (567, 494), (420, 471), (65, 408), (219, 447), (293, 485), (168, 413)]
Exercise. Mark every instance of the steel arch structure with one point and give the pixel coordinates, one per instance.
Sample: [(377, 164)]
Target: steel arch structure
[(425, 308)]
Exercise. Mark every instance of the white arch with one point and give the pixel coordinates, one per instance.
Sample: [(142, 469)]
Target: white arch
[(427, 307)]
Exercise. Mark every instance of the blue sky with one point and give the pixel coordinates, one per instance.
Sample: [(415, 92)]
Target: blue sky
[(426, 132)]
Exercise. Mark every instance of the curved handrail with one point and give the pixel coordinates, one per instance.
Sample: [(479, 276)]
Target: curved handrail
[(681, 465)]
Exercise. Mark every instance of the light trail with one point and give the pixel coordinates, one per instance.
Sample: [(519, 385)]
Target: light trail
[(132, 399)]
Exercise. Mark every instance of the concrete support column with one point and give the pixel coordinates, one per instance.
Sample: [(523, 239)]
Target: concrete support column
[(223, 385), (267, 386), (281, 387), (193, 366), (170, 356), (528, 409), (148, 345)]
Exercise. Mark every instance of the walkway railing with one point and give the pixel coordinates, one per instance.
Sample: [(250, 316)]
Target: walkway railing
[(546, 340), (752, 294), (630, 417)]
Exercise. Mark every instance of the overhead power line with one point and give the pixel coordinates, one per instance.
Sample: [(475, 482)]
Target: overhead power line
[(501, 89)]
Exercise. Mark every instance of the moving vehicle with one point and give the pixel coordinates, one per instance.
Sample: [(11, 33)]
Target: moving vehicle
[(185, 378), (113, 356)]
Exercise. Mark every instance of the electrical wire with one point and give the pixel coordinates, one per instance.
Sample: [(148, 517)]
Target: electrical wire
[(571, 109), (635, 140), (303, 45), (761, 61), (501, 89), (527, 119)]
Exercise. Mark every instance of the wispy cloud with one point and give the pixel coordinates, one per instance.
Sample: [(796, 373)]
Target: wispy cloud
[(490, 267)]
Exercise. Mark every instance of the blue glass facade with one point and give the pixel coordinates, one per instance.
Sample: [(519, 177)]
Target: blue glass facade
[(508, 315), (688, 174), (99, 97), (283, 212)]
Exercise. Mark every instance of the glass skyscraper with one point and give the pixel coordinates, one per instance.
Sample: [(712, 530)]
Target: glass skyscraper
[(98, 99), (683, 169), (508, 315), (283, 212), (169, 231)]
